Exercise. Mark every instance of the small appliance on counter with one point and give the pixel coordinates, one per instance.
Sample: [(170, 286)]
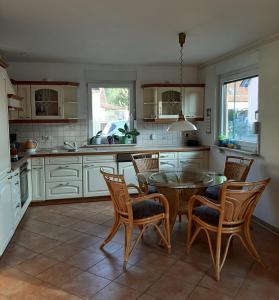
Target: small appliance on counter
[(31, 146), (14, 147), (191, 140)]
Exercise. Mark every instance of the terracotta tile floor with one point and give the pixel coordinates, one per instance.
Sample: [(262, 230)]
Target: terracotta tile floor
[(55, 255)]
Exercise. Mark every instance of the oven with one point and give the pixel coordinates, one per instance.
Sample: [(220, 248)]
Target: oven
[(24, 192)]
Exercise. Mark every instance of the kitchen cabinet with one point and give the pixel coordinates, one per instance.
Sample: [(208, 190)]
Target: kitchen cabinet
[(49, 100), (6, 213), (163, 102), (93, 181), (168, 161), (15, 189), (38, 183), (193, 160)]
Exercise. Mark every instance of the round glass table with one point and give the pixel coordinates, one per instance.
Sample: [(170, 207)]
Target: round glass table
[(179, 185)]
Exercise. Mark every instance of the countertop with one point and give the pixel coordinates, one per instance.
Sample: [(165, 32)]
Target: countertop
[(103, 150)]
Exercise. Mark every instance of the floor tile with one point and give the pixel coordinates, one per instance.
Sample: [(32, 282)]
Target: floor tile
[(146, 297), (62, 252), (36, 265), (16, 255), (84, 240), (85, 259), (85, 285), (201, 293), (115, 291), (59, 274), (63, 235)]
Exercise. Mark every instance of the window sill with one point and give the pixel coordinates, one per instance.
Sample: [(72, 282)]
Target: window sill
[(223, 149)]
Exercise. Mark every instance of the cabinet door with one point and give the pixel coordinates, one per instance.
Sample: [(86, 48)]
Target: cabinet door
[(69, 172), (93, 181), (194, 102), (6, 214), (63, 190), (150, 107), (128, 170), (24, 91), (169, 102), (46, 102), (5, 164), (38, 183)]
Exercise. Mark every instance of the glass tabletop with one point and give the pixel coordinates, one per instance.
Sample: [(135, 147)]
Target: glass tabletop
[(181, 178)]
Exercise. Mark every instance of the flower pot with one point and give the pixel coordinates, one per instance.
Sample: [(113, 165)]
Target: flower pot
[(98, 140), (125, 140)]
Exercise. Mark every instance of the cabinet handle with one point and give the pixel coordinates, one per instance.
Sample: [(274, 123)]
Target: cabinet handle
[(10, 177), (18, 205), (17, 183)]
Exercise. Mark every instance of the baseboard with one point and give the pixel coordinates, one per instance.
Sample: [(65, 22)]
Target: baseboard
[(69, 201), (265, 225)]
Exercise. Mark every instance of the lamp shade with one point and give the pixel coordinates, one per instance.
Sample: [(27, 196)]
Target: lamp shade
[(182, 125)]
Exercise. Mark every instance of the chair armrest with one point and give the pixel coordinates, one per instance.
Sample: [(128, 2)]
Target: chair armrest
[(203, 200), (133, 186), (163, 200)]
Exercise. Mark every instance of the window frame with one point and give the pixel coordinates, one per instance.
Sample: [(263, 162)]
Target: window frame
[(231, 77), (111, 84)]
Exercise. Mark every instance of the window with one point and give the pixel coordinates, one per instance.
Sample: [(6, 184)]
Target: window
[(240, 108), (111, 106)]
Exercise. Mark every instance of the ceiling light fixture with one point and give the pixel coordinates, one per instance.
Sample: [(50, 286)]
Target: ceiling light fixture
[(181, 124)]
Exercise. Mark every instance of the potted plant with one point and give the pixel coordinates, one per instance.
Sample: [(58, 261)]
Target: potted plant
[(128, 136), (97, 139)]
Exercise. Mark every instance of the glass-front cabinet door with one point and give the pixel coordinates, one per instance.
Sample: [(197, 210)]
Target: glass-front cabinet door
[(169, 100), (46, 102)]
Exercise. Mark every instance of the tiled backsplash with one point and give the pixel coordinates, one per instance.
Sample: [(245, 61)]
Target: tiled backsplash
[(51, 136)]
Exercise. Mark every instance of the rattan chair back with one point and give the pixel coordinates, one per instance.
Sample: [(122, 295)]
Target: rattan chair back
[(146, 162), (237, 168)]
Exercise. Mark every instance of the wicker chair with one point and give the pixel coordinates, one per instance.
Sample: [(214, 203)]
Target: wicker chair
[(236, 168), (146, 162), (142, 212), (231, 217)]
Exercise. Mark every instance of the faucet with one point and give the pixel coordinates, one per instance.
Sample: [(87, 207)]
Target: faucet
[(73, 146)]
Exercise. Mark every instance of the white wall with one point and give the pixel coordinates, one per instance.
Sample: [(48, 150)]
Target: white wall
[(85, 74), (266, 59)]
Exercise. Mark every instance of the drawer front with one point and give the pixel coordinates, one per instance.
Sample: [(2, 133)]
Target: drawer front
[(63, 190), (168, 164), (60, 160), (168, 155), (194, 154), (37, 161), (191, 164), (98, 158), (69, 172)]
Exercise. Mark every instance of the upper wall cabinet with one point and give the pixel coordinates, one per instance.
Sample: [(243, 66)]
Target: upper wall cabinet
[(44, 101), (163, 102)]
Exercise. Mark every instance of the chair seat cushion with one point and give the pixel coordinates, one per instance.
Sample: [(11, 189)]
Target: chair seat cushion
[(213, 192), (146, 208), (207, 214), (152, 189)]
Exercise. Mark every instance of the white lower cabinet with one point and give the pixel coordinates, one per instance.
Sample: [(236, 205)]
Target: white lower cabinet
[(6, 213), (15, 187), (168, 164), (69, 172), (63, 190), (191, 164), (38, 183), (127, 169), (93, 181)]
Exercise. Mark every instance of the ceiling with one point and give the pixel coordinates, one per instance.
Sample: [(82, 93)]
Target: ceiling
[(131, 31)]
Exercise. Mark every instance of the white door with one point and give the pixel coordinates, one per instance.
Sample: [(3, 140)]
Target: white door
[(6, 214), (38, 183), (93, 181), (5, 164), (25, 92), (194, 102)]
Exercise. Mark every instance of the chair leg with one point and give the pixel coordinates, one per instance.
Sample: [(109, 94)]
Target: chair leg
[(189, 232), (128, 240), (114, 229), (218, 257), (250, 245), (167, 229)]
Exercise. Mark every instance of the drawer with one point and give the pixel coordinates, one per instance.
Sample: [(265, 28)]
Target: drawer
[(194, 164), (98, 158), (63, 190), (37, 161), (60, 160), (168, 155), (168, 164), (194, 154), (69, 172)]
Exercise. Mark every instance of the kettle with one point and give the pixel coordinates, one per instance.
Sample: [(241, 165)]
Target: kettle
[(31, 146)]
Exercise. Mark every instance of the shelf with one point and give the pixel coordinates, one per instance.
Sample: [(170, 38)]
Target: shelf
[(15, 97), (235, 150), (167, 120), (149, 103), (44, 121), (45, 82), (37, 101), (172, 85)]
